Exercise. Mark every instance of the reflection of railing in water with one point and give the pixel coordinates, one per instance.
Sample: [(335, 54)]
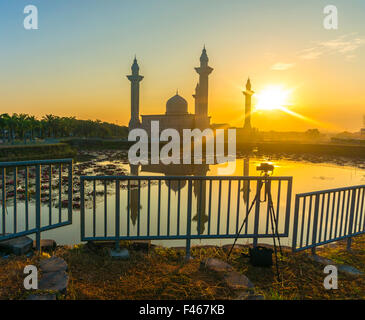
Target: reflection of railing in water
[(327, 216), (220, 205), (36, 172)]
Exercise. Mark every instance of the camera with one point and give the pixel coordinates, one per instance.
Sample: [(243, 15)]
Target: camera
[(265, 168)]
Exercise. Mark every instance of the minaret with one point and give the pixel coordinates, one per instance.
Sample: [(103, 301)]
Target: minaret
[(204, 71), (248, 94), (135, 79), (196, 98)]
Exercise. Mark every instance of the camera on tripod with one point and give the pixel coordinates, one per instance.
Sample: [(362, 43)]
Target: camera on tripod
[(265, 168)]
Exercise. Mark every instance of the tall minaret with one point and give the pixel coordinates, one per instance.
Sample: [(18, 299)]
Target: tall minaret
[(204, 71), (135, 79), (196, 98), (248, 94)]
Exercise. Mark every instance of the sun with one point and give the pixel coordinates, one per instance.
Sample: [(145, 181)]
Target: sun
[(273, 97)]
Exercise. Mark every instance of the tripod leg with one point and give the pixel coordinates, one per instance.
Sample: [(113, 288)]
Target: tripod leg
[(257, 198), (243, 223), (275, 250), (275, 221)]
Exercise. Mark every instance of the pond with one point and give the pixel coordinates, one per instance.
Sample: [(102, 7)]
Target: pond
[(310, 174)]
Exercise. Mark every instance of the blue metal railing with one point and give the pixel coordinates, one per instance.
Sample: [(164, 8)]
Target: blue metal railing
[(171, 207), (326, 216), (193, 207), (22, 184)]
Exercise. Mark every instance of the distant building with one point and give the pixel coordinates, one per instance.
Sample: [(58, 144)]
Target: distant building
[(248, 94), (176, 115), (362, 130)]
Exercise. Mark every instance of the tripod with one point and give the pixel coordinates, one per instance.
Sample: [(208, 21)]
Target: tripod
[(273, 220)]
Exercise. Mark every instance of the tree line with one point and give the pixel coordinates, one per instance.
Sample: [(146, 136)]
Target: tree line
[(27, 127)]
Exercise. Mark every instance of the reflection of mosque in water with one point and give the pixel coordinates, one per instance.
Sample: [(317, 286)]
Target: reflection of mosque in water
[(199, 186)]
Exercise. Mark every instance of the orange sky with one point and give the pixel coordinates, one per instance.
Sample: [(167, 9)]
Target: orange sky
[(78, 68)]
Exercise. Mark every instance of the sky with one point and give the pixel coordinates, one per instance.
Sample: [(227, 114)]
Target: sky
[(76, 63)]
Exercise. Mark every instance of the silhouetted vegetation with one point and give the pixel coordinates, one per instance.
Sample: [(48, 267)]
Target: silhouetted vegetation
[(26, 127)]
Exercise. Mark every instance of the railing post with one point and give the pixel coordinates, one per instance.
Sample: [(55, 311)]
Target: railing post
[(315, 223), (70, 190), (15, 197), (188, 222), (38, 205), (288, 204), (257, 211), (82, 208), (296, 218), (4, 200), (349, 242), (117, 213), (351, 222)]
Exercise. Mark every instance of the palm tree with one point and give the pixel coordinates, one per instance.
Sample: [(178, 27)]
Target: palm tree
[(33, 124)]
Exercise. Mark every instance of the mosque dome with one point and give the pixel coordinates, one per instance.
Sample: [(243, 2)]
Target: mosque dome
[(176, 105)]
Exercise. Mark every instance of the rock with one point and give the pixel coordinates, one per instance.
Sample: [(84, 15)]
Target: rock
[(55, 281), (321, 260), (141, 245), (17, 246), (238, 246), (237, 281), (217, 265), (245, 295), (41, 297), (53, 264), (46, 244), (341, 267), (120, 254), (349, 269)]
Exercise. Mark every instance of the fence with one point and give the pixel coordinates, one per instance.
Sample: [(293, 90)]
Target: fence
[(193, 207), (31, 180), (326, 216)]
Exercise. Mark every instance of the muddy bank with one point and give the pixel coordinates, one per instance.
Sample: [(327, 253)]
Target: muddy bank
[(332, 149), (36, 152)]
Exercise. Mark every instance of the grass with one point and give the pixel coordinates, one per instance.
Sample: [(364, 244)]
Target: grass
[(163, 274), (36, 152)]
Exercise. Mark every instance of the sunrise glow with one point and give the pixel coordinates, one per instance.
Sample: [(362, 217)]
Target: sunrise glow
[(273, 97)]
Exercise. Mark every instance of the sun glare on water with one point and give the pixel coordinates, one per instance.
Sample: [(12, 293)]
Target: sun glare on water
[(273, 97)]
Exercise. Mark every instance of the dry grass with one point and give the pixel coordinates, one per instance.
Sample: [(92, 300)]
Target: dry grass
[(163, 274), (159, 275)]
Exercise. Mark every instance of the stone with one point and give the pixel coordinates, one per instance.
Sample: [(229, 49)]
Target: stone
[(41, 297), (245, 295), (321, 260), (141, 245), (55, 281), (217, 265), (53, 264), (237, 281), (237, 246), (46, 244), (341, 267), (17, 246), (349, 269), (120, 254)]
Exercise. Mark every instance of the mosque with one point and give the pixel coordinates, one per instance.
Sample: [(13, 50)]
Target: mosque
[(176, 115)]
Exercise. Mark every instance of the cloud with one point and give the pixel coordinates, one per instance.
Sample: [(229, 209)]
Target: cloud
[(343, 45), (310, 54), (282, 66)]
